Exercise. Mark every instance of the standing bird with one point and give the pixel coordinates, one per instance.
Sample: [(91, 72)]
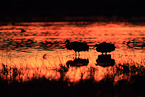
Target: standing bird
[(105, 47), (76, 46)]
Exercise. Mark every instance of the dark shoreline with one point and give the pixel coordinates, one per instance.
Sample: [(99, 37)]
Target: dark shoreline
[(136, 20)]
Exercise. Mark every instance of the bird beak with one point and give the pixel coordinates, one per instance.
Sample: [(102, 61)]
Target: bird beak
[(64, 42)]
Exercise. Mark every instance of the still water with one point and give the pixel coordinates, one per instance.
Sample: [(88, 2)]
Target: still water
[(37, 50)]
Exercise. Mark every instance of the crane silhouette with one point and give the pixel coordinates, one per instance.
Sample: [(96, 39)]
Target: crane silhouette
[(105, 47), (76, 46)]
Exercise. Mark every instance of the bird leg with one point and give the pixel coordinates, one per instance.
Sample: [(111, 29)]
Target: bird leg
[(75, 54), (78, 54)]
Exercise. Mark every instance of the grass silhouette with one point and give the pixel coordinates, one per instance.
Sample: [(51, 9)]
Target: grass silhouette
[(45, 87)]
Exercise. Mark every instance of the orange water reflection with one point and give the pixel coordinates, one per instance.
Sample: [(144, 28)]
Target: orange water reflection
[(29, 60)]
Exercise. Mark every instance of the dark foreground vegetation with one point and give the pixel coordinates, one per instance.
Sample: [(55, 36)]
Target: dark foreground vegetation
[(87, 88), (43, 87)]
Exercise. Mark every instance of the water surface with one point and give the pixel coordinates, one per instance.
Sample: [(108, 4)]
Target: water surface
[(39, 50)]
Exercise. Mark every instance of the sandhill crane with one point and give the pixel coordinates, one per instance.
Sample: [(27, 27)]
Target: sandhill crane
[(105, 47), (76, 46)]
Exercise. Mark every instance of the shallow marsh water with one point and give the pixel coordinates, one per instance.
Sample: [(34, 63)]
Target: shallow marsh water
[(40, 51)]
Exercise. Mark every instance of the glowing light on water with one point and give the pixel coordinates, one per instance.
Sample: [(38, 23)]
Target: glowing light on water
[(48, 38)]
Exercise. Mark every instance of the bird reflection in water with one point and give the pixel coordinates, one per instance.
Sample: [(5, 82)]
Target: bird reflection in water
[(105, 60), (77, 62)]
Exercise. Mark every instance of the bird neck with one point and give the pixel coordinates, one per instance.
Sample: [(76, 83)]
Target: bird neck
[(96, 45)]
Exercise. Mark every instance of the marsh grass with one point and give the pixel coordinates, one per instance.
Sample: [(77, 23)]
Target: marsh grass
[(60, 87)]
